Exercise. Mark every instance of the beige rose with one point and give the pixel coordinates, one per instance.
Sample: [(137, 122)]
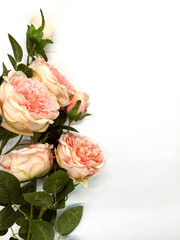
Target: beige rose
[(53, 80), (80, 156), (34, 161), (26, 104)]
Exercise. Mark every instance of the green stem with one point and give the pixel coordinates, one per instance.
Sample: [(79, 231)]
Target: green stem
[(16, 145), (21, 212), (42, 211), (14, 235), (31, 217), (59, 237)]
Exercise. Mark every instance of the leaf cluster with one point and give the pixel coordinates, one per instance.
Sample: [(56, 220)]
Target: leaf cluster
[(36, 211)]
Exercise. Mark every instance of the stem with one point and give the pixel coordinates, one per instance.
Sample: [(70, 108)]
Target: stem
[(17, 144), (14, 235), (59, 237), (31, 217), (42, 211), (21, 212)]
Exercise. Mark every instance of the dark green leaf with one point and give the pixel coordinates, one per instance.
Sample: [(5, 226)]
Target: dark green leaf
[(72, 114), (7, 218), (13, 238), (85, 115), (67, 189), (22, 221), (5, 133), (56, 182), (13, 61), (5, 71), (36, 137), (69, 220), (1, 119), (68, 128), (23, 232), (43, 21), (29, 187), (50, 216), (26, 70), (42, 230), (60, 205), (60, 120), (17, 50), (1, 79), (39, 198), (9, 188), (3, 232)]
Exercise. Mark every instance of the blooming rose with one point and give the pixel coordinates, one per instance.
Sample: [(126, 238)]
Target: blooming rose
[(84, 102), (34, 161), (26, 104), (53, 79), (80, 156), (48, 30)]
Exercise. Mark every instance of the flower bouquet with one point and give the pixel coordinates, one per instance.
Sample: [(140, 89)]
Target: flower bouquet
[(37, 107)]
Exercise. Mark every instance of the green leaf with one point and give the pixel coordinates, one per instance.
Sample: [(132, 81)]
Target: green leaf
[(39, 199), (7, 218), (1, 119), (50, 216), (23, 232), (13, 238), (5, 133), (72, 114), (1, 79), (41, 230), (9, 188), (17, 50), (69, 220), (67, 189), (56, 182), (36, 137), (13, 61), (60, 120), (5, 71), (60, 205), (26, 70), (22, 221), (68, 128), (29, 187), (3, 232)]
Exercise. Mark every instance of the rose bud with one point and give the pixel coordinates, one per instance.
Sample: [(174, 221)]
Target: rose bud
[(48, 30), (34, 161), (80, 156), (26, 104), (53, 80), (83, 97)]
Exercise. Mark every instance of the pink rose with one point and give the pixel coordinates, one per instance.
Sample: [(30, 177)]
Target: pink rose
[(80, 156), (34, 161), (84, 102), (26, 104), (53, 80), (48, 30)]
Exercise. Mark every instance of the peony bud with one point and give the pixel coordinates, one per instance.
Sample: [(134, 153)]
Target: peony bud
[(83, 97), (48, 30)]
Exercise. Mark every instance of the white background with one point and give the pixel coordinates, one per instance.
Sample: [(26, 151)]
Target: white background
[(126, 56)]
